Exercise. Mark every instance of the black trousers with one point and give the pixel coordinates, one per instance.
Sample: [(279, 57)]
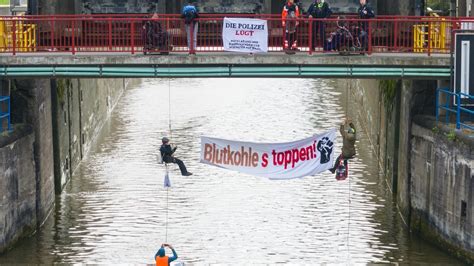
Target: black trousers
[(180, 163)]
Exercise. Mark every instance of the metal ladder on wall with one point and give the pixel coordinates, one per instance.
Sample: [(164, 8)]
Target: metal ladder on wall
[(5, 115)]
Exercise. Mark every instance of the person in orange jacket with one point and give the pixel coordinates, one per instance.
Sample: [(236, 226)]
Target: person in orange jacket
[(289, 18), (161, 259)]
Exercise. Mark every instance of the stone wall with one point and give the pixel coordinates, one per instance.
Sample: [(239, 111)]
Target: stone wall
[(431, 178), (27, 161), (442, 188), (81, 107), (18, 186)]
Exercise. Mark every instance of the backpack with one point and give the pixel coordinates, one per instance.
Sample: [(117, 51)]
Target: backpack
[(189, 13)]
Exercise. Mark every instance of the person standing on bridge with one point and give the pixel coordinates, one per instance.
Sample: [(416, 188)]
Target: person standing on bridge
[(167, 155), (365, 12), (190, 14), (348, 133), (161, 259), (289, 17), (319, 10)]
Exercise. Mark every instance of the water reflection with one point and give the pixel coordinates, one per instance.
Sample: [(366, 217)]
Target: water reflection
[(113, 211)]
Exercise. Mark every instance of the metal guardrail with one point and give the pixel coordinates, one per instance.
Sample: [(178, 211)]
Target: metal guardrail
[(125, 33), (5, 115), (457, 109)]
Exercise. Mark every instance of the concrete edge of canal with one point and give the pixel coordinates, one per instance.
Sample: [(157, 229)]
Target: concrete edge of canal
[(428, 167)]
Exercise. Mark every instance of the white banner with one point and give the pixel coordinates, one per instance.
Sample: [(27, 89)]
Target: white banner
[(275, 161), (245, 35)]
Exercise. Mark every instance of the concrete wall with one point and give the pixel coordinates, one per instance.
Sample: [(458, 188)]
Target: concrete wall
[(26, 165), (43, 147), (205, 6), (429, 176), (18, 216), (81, 107), (442, 198)]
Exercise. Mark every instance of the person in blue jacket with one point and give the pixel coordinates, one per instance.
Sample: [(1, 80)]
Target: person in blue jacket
[(160, 257), (319, 10), (190, 14)]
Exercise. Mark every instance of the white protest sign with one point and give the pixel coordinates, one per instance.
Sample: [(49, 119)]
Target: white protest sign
[(245, 35)]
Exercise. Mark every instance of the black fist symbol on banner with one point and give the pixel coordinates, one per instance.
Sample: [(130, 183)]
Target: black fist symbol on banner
[(325, 147)]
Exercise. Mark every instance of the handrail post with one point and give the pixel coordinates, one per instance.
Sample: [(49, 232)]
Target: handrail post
[(437, 105), (429, 38), (14, 37), (9, 114), (110, 33), (132, 41), (369, 37), (310, 42), (191, 37), (395, 36), (52, 34), (458, 112), (73, 48)]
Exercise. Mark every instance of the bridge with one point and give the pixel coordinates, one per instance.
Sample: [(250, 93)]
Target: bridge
[(101, 46)]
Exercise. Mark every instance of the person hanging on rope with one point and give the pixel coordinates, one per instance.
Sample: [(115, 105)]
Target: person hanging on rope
[(161, 259), (167, 155), (348, 133)]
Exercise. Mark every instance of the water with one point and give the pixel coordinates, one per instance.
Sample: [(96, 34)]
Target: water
[(114, 208)]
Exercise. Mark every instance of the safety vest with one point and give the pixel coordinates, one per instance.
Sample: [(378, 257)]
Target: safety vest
[(161, 261)]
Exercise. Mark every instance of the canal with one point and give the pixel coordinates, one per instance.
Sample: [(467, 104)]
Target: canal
[(114, 208)]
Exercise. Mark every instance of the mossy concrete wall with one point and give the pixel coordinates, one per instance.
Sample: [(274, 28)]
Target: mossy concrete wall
[(442, 187), (431, 178)]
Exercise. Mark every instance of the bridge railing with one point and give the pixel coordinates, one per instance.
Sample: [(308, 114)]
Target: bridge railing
[(5, 113), (463, 113), (125, 33)]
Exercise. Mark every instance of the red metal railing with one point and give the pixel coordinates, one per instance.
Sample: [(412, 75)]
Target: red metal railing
[(126, 33)]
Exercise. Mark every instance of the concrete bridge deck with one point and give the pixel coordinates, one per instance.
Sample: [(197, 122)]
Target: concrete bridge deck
[(224, 64)]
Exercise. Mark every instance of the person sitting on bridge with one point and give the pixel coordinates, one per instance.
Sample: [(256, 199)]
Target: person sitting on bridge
[(365, 12), (348, 133), (160, 257), (155, 37), (190, 14), (289, 17), (167, 155)]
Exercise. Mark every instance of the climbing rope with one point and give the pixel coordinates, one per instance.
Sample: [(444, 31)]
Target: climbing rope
[(348, 89), (167, 183), (166, 223)]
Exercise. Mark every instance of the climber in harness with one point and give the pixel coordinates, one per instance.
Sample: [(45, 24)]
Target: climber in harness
[(167, 155), (161, 259), (348, 133)]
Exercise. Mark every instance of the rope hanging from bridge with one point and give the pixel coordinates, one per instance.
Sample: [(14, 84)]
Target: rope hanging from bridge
[(348, 90), (167, 182)]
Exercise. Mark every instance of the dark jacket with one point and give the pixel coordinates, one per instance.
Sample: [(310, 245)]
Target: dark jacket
[(320, 10), (348, 140), (167, 153), (370, 14)]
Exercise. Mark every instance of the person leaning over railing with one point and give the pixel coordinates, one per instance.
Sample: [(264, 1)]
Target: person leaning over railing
[(365, 12), (190, 14)]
